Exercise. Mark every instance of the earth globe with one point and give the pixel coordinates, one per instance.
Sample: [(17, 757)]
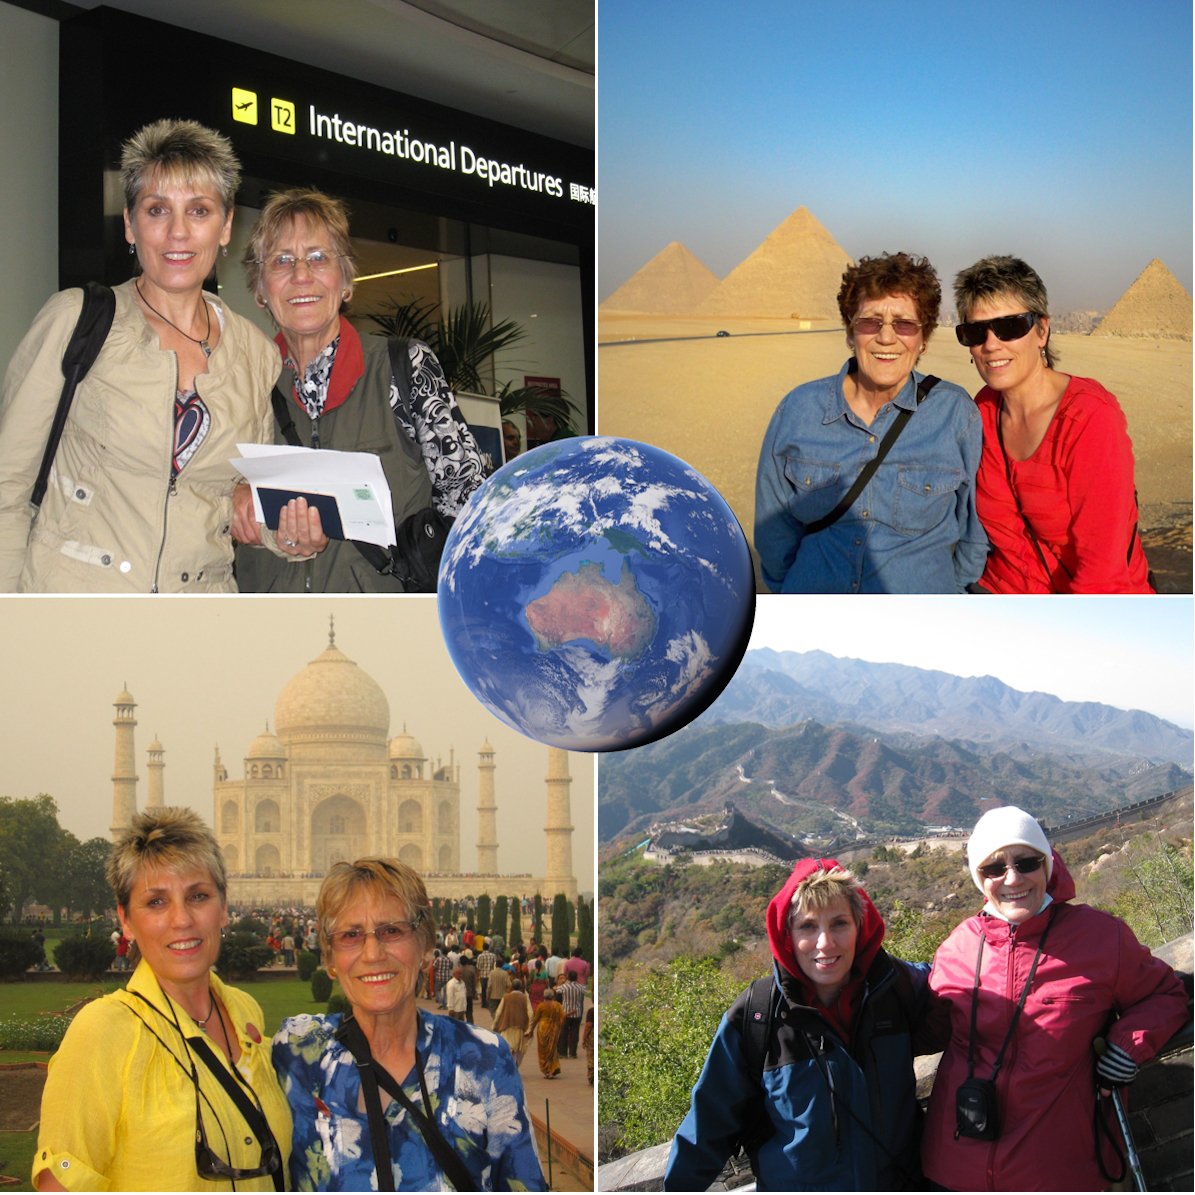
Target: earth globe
[(596, 593)]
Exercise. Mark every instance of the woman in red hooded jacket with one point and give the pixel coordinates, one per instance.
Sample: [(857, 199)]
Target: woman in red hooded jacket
[(811, 1070), (1075, 968)]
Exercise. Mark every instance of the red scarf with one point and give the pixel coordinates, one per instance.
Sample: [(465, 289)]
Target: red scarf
[(348, 366)]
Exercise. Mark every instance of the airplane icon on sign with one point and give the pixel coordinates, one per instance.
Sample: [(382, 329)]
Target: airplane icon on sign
[(244, 105)]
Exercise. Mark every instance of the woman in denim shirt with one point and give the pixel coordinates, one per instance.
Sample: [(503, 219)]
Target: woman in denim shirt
[(913, 529)]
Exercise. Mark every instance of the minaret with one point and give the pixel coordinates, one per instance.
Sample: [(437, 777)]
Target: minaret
[(124, 775), (487, 814), (559, 830), (156, 796)]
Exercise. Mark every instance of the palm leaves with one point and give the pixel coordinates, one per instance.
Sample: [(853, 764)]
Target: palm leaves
[(464, 340)]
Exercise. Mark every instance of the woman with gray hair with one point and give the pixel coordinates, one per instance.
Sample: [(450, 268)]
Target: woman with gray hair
[(340, 391), (139, 499), (1028, 985), (389, 1097), (1055, 489), (167, 1084)]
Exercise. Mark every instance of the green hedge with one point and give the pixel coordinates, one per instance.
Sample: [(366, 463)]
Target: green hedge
[(321, 986), (17, 954), (84, 958)]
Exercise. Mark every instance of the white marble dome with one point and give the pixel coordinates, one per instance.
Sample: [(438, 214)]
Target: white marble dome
[(332, 698)]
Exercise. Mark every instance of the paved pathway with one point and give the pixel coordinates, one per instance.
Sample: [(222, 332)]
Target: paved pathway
[(566, 1101)]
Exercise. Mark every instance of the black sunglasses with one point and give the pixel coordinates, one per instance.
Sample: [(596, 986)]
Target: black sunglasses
[(1026, 866), (212, 1167), (1006, 327)]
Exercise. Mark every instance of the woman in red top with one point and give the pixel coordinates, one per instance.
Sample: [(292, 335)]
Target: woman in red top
[(1055, 487)]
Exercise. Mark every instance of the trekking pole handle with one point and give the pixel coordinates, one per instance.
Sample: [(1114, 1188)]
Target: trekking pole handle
[(1100, 1046)]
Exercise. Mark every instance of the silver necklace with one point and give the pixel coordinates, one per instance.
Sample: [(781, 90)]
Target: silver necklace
[(207, 352)]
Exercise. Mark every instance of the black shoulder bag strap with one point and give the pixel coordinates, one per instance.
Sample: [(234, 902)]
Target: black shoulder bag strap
[(400, 367), (757, 1024), (865, 474), (1012, 1024), (254, 1116), (374, 1076), (91, 330)]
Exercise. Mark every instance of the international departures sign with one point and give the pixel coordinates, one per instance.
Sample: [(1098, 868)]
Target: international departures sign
[(458, 157)]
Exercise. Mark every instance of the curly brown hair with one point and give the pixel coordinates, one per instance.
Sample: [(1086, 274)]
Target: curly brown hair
[(892, 274)]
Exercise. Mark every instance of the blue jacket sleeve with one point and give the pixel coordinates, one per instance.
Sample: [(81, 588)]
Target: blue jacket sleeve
[(778, 534), (710, 1132)]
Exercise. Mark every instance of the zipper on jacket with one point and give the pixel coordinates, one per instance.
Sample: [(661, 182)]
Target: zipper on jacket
[(171, 491)]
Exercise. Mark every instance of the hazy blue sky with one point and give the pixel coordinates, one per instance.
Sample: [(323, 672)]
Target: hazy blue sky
[(1127, 652), (206, 672), (1059, 132)]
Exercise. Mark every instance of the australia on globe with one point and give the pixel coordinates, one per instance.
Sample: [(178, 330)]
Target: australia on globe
[(596, 593)]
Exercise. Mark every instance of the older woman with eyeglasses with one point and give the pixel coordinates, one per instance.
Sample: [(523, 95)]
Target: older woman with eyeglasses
[(389, 1097), (1028, 986), (341, 392), (166, 1085), (848, 499), (1055, 486)]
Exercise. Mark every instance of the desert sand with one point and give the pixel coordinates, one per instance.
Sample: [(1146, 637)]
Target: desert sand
[(673, 382)]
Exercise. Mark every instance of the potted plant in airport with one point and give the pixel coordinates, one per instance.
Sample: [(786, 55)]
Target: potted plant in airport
[(464, 340)]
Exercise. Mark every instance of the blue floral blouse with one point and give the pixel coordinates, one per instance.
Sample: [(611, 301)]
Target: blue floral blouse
[(477, 1103)]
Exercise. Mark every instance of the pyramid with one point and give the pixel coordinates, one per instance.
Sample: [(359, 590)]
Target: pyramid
[(796, 271), (1156, 305), (674, 281)]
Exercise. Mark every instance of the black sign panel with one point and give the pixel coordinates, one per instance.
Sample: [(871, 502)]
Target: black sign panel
[(296, 125)]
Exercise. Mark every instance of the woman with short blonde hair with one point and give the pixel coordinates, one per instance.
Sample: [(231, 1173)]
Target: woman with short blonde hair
[(166, 1085), (389, 1097)]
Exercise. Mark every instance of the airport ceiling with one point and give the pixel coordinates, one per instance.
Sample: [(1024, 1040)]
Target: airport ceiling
[(528, 65)]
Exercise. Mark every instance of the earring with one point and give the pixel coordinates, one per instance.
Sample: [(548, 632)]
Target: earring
[(223, 250), (1044, 357), (132, 248)]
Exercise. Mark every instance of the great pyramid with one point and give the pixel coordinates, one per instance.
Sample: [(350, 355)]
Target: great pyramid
[(673, 282), (796, 271), (1156, 305)]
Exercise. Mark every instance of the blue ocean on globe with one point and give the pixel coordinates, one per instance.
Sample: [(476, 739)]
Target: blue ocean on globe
[(596, 593)]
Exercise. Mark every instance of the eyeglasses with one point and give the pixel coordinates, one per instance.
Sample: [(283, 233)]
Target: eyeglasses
[(869, 325), (349, 941), (1006, 327), (212, 1167), (1024, 866), (318, 260)]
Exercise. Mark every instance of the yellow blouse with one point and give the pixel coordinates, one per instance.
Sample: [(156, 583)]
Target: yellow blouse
[(118, 1112)]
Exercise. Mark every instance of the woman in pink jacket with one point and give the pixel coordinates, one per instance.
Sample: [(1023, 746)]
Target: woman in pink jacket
[(1030, 983)]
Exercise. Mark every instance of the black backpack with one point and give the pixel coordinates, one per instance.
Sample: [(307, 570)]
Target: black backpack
[(91, 330)]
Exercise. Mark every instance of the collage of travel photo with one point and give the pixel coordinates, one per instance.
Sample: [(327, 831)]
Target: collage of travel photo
[(720, 718)]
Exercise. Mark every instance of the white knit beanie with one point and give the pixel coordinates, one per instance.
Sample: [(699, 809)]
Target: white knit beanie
[(1006, 826)]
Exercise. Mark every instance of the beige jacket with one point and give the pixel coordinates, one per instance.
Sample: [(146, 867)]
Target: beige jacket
[(112, 521)]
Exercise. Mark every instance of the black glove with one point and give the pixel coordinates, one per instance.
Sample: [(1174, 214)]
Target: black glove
[(1115, 1068)]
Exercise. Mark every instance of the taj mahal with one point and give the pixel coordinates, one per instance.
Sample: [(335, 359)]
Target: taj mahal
[(330, 784)]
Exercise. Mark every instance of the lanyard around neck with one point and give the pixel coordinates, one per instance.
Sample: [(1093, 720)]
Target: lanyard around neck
[(1041, 945)]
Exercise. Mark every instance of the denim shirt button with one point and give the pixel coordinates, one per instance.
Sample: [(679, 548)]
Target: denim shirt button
[(867, 514)]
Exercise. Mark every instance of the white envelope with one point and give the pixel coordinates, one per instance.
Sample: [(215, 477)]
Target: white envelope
[(353, 481)]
